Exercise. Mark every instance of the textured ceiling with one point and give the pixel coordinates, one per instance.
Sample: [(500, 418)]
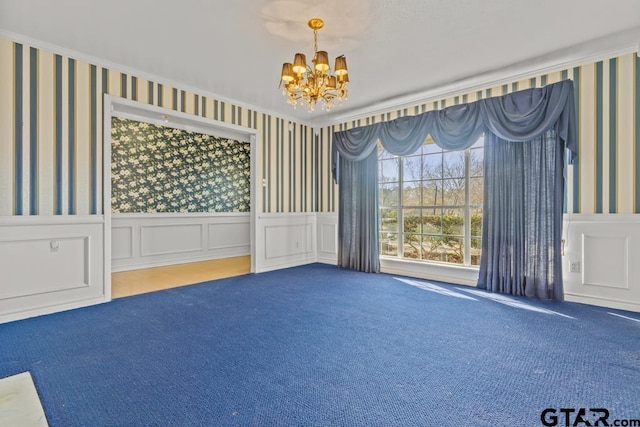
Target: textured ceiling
[(397, 50)]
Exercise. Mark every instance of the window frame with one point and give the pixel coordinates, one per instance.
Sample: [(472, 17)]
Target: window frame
[(400, 207)]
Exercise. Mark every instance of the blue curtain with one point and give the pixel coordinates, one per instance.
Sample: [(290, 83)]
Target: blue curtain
[(357, 169), (520, 116), (358, 247), (522, 217)]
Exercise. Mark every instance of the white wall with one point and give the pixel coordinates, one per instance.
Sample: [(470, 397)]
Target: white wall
[(604, 251), (433, 271), (50, 263), (288, 239), (150, 240), (285, 240)]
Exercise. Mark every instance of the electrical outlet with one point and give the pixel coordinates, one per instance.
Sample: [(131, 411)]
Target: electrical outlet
[(54, 246), (574, 266)]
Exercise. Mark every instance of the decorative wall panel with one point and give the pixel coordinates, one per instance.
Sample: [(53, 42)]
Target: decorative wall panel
[(285, 240), (155, 239), (598, 248), (50, 264), (327, 225), (600, 260)]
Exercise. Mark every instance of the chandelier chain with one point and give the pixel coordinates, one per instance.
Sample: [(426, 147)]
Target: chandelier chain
[(315, 40)]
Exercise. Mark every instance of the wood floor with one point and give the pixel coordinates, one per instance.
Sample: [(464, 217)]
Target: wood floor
[(135, 282)]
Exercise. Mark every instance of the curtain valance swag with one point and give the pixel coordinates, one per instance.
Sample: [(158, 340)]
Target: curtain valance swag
[(518, 116)]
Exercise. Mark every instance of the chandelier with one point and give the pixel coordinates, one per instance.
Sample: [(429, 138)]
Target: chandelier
[(310, 85)]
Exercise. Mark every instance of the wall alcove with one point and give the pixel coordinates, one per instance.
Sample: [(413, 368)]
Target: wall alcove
[(166, 210)]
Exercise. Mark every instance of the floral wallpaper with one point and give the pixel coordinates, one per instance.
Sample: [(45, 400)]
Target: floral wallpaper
[(161, 169)]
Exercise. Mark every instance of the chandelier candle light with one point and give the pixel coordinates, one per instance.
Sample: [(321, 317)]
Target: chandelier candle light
[(309, 85)]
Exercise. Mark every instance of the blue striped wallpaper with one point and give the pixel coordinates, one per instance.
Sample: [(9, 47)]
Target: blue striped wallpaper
[(51, 136)]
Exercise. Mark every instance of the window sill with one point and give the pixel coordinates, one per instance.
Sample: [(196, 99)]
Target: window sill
[(459, 275)]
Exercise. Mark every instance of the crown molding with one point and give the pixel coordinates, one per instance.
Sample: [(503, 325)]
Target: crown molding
[(577, 55), (93, 60)]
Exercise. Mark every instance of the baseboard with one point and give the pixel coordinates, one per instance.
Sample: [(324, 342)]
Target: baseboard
[(330, 261), (602, 302), (288, 264), (41, 311), (177, 261)]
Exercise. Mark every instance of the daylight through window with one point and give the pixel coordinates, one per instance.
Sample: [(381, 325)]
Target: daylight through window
[(431, 204)]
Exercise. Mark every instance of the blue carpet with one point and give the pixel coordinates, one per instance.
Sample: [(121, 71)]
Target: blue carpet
[(321, 346)]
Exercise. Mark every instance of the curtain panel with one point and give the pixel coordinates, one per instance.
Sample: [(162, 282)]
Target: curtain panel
[(358, 239), (517, 117), (522, 217)]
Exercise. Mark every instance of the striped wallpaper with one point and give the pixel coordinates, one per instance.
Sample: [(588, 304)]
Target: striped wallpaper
[(51, 136), (606, 176)]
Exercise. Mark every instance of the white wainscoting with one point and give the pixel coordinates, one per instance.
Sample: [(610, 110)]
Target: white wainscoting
[(327, 232), (50, 263), (605, 253), (285, 240), (151, 240)]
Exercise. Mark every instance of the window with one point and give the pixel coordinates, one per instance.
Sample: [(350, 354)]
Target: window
[(431, 204)]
